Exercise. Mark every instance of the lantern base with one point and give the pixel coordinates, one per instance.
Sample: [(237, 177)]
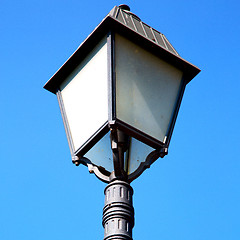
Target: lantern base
[(107, 177)]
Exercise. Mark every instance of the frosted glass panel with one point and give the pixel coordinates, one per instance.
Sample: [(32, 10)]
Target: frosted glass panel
[(101, 153), (146, 89), (84, 96), (138, 152)]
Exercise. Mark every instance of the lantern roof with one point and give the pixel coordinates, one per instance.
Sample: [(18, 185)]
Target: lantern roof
[(130, 20), (124, 22)]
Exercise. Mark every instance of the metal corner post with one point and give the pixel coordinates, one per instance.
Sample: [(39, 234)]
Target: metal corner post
[(118, 212)]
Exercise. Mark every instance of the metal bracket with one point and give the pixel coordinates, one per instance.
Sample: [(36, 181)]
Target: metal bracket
[(150, 159), (119, 145), (91, 168)]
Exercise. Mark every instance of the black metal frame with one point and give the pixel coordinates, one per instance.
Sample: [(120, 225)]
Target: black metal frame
[(176, 110), (116, 123), (111, 76), (109, 27), (65, 122)]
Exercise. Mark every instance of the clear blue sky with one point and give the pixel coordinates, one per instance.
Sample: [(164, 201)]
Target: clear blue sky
[(193, 193)]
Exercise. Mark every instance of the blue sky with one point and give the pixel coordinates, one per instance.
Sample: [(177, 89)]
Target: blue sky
[(193, 193)]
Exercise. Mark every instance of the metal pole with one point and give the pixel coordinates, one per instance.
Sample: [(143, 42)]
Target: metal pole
[(118, 212)]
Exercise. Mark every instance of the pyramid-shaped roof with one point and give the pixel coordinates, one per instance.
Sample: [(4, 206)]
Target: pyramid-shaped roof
[(122, 21), (130, 20)]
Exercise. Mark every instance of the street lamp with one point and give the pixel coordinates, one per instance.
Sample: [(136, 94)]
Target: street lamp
[(119, 96)]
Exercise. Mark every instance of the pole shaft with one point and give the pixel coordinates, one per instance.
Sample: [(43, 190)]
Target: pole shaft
[(118, 212)]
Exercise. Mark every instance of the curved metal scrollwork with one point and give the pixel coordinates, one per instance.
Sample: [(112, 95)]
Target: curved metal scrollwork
[(100, 173), (150, 159), (118, 149)]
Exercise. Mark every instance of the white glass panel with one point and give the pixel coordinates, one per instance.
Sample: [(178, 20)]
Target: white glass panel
[(84, 96), (101, 153), (146, 89)]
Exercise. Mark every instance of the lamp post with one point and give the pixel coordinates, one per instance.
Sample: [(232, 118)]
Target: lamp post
[(119, 96)]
